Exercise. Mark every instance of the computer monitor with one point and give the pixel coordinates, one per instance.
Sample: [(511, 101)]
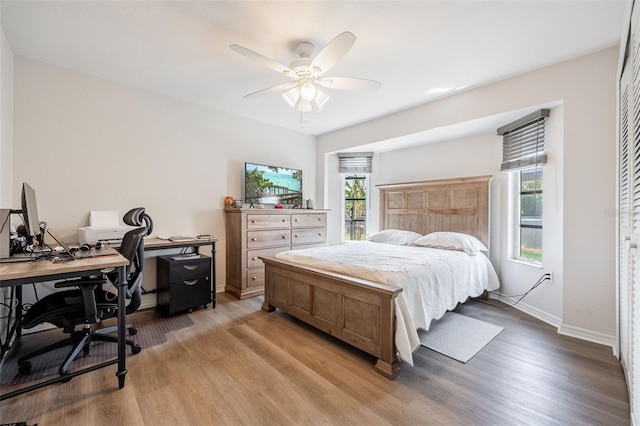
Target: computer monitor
[(30, 213)]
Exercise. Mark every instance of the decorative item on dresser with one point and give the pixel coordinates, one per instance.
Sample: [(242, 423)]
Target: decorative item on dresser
[(252, 233), (228, 202)]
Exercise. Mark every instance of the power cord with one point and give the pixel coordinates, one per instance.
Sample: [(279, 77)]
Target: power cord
[(542, 279)]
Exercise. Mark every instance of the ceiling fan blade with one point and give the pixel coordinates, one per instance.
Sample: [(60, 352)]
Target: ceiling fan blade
[(333, 52), (263, 60), (273, 89), (349, 83)]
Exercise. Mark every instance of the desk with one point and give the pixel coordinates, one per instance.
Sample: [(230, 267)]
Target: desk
[(153, 247), (18, 274)]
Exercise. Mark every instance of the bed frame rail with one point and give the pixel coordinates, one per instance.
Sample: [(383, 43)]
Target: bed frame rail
[(359, 312)]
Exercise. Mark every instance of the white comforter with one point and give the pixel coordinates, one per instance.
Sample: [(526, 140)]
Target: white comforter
[(433, 281)]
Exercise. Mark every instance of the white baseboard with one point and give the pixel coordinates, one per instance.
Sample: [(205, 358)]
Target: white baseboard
[(588, 335), (566, 330), (148, 301), (530, 310)]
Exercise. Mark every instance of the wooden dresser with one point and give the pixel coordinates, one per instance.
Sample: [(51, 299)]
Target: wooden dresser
[(265, 232)]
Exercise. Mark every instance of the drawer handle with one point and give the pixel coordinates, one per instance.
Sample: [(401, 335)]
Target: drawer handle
[(283, 220), (284, 237), (254, 258), (190, 267), (253, 221), (319, 234), (295, 236), (253, 239), (295, 220), (190, 282), (254, 278)]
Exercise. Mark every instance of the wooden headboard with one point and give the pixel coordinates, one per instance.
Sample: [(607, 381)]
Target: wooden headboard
[(457, 205)]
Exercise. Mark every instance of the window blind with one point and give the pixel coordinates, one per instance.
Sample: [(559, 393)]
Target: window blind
[(355, 162), (523, 141)]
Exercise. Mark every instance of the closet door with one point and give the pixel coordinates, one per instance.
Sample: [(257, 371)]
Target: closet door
[(629, 217), (632, 257), (625, 287)]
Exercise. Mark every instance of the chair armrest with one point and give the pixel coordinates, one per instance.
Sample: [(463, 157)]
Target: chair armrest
[(87, 287), (86, 282)]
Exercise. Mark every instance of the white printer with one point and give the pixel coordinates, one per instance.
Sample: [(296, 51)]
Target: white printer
[(104, 227)]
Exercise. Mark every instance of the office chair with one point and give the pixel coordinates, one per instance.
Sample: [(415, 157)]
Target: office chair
[(88, 305), (134, 217)]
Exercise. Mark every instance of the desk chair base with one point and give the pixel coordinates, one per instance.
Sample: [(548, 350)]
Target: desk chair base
[(82, 342)]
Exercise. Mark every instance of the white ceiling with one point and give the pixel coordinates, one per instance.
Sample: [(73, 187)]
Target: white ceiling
[(181, 49)]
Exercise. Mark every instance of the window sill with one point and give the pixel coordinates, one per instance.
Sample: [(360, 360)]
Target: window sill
[(536, 265)]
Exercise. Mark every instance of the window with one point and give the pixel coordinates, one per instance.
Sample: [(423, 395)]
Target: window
[(528, 215), (355, 167), (523, 151), (355, 207)]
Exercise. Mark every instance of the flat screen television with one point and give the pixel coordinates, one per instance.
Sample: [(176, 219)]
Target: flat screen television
[(265, 184)]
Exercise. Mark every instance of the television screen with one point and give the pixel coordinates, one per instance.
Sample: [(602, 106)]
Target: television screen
[(272, 185)]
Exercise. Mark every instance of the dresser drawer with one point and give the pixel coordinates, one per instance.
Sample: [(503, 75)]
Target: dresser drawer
[(255, 277), (308, 236), (261, 239), (262, 221), (308, 220), (188, 269), (253, 260)]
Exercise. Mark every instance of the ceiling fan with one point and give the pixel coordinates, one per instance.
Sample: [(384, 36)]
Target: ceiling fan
[(307, 73)]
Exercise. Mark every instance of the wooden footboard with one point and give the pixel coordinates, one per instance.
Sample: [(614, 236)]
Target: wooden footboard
[(359, 312)]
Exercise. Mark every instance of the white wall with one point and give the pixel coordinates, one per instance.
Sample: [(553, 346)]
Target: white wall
[(447, 159), (583, 179), (6, 147), (85, 143), (6, 121)]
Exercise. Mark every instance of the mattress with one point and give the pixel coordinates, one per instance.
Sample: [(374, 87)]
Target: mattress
[(433, 281)]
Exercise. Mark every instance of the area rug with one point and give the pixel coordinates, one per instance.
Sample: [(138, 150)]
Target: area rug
[(458, 337), (152, 331)]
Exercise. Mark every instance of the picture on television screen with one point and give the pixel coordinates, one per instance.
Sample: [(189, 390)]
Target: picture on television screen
[(272, 185)]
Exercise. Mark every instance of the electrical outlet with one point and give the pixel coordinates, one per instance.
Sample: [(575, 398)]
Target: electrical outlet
[(550, 273)]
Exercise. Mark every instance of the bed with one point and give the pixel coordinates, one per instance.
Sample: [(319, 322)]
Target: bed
[(375, 309)]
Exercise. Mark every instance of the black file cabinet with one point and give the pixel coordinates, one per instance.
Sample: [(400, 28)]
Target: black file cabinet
[(183, 284)]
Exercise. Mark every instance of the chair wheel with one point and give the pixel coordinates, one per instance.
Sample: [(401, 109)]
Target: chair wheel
[(136, 349), (132, 331), (25, 367)]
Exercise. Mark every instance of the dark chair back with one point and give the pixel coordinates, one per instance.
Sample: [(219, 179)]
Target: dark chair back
[(132, 248)]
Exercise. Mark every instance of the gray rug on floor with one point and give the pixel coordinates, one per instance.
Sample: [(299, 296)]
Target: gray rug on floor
[(152, 330), (458, 337)]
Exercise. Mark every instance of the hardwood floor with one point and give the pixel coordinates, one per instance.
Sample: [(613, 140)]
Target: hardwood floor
[(239, 365)]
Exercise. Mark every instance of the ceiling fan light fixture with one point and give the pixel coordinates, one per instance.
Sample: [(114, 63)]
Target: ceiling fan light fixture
[(321, 99), (307, 74), (292, 96), (308, 90)]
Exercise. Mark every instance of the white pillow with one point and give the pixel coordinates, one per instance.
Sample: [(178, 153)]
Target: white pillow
[(451, 241), (394, 236)]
